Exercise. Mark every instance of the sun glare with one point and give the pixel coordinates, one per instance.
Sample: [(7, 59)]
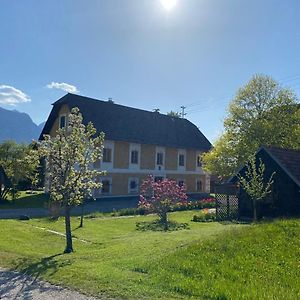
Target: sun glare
[(168, 4)]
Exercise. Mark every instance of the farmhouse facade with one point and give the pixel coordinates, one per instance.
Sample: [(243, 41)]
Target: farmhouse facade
[(138, 143)]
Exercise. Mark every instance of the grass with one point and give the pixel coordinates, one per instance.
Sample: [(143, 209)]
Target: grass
[(26, 199), (206, 261)]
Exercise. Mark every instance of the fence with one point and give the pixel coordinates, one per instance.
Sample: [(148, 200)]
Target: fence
[(227, 202)]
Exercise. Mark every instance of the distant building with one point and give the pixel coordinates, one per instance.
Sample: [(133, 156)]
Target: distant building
[(138, 143), (285, 196)]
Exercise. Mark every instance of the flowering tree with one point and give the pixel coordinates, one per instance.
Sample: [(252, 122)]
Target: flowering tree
[(159, 197), (69, 156), (255, 184)]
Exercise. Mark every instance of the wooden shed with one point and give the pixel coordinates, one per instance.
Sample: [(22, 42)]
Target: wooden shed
[(284, 200)]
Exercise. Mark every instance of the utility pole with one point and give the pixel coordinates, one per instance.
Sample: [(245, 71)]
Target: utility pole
[(183, 114)]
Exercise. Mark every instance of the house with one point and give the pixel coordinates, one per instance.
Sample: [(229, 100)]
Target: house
[(284, 198), (138, 143)]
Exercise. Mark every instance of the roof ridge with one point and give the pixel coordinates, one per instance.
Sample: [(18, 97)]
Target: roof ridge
[(121, 105)]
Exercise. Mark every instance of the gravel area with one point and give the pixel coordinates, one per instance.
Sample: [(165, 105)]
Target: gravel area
[(17, 286)]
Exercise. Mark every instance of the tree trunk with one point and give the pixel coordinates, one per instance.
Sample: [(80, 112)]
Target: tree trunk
[(69, 245), (164, 220), (254, 211), (81, 217)]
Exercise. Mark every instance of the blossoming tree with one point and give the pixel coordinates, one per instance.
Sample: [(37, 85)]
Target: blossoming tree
[(69, 156), (254, 182), (159, 197)]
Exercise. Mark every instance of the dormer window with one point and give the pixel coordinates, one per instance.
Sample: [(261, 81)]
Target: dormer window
[(62, 121)]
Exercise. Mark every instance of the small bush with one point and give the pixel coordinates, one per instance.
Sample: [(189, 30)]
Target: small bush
[(205, 215), (159, 226)]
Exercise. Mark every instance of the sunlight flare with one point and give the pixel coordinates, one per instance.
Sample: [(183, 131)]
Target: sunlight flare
[(168, 4)]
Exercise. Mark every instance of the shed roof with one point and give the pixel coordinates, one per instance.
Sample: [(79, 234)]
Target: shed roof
[(123, 123), (287, 159)]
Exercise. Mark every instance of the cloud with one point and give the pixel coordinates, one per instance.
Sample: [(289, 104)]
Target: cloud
[(9, 95), (63, 86)]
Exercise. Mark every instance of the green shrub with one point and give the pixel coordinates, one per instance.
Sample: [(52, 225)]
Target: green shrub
[(205, 216)]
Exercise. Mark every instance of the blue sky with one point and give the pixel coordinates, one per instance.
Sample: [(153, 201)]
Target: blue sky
[(141, 55)]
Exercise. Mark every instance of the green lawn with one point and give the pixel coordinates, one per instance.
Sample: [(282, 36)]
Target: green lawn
[(207, 261), (26, 199)]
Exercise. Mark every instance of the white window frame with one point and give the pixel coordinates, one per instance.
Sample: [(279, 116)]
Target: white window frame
[(196, 185), (134, 147), (163, 151), (136, 191), (108, 165), (181, 152), (198, 168), (110, 185)]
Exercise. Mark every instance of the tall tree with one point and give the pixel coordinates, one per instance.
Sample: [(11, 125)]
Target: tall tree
[(262, 113), (70, 155), (16, 160)]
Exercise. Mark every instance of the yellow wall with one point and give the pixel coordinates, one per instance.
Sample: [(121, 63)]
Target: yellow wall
[(147, 157), (171, 159), (121, 155), (190, 160), (64, 110)]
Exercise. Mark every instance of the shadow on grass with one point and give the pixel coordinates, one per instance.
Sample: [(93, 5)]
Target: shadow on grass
[(158, 226), (46, 265), (24, 283)]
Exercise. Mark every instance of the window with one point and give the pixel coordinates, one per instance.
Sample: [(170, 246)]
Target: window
[(107, 155), (62, 122), (133, 185), (106, 184), (199, 161), (198, 185), (158, 178), (181, 160), (134, 157), (180, 183), (159, 158)]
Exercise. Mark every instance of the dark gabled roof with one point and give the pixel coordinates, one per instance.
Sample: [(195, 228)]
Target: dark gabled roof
[(287, 159), (124, 123)]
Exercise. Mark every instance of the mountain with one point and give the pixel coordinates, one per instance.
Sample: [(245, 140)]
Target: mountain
[(18, 126)]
